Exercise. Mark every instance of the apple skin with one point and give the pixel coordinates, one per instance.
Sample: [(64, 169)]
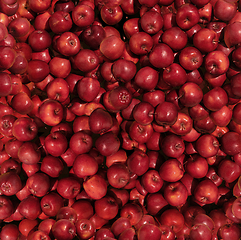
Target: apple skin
[(151, 22), (132, 211), (6, 84), (88, 88), (85, 165), (161, 56), (86, 60), (197, 166), (206, 35), (83, 208), (230, 143), (106, 207), (145, 220), (213, 100), (213, 145), (140, 133), (22, 103), (232, 34), (85, 228), (228, 170), (56, 143), (119, 225), (155, 203), (60, 22), (140, 43), (107, 144), (38, 184), (175, 194), (172, 218), (51, 203), (149, 230), (52, 166), (51, 112), (183, 119), (190, 94), (112, 47), (118, 175), (10, 165), (216, 62), (87, 14), (68, 44), (80, 142), (29, 153), (66, 212), (222, 117), (171, 170), (229, 230), (25, 129), (172, 146), (200, 231), (64, 229), (206, 192), (58, 89), (25, 207), (95, 186), (187, 11), (138, 162), (59, 67), (19, 27), (103, 233), (10, 183), (235, 85), (236, 113), (10, 231), (119, 157), (151, 181), (68, 187), (119, 98), (111, 15), (166, 113)]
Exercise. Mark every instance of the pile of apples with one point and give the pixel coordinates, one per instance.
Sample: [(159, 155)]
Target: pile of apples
[(120, 119)]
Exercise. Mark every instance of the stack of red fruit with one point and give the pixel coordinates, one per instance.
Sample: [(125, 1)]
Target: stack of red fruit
[(120, 119)]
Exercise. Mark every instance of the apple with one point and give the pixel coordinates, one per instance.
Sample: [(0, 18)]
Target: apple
[(172, 218), (60, 22), (149, 230), (120, 225), (56, 143), (171, 170), (229, 230), (51, 203), (95, 186), (213, 145), (106, 207), (52, 166), (228, 170), (151, 181), (172, 146), (133, 212), (206, 195), (64, 229), (138, 162), (175, 194), (197, 166), (187, 16), (29, 153), (216, 62), (112, 47), (230, 143), (118, 175)]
